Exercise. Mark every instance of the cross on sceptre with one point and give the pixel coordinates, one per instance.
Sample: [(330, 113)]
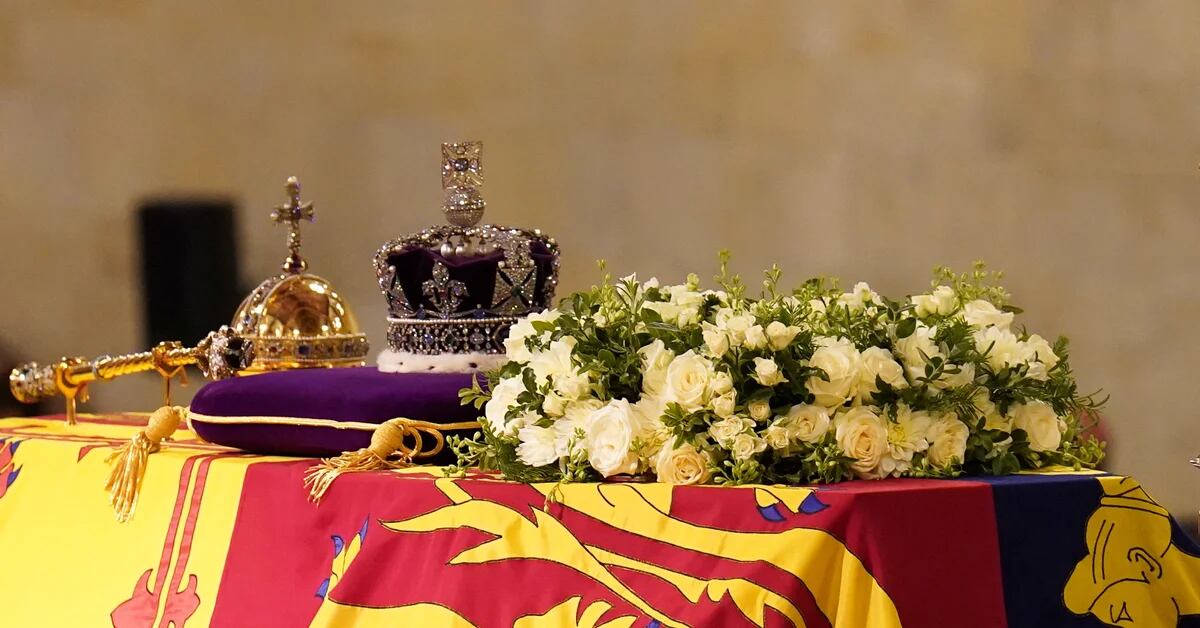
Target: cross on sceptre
[(292, 213)]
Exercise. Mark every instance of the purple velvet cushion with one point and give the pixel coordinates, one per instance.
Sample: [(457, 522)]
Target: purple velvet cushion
[(359, 394)]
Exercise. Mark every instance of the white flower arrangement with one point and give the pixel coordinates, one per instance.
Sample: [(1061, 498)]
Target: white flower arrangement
[(692, 386)]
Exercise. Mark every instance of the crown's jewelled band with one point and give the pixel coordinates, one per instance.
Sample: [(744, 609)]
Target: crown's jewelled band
[(309, 351), (435, 336)]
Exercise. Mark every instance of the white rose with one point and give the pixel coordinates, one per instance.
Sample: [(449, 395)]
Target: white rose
[(745, 446), (723, 405), (656, 357), (725, 430), (682, 465), (947, 440), (1003, 348), (555, 360), (863, 436), (767, 373), (941, 301), (778, 436), (780, 335), (808, 423), (687, 382), (982, 313), (840, 361), (715, 339), (759, 409), (917, 343), (610, 433), (817, 306), (756, 337), (536, 448), (878, 363), (504, 396), (1041, 425)]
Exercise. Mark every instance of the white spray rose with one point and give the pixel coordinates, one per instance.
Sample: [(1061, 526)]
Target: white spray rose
[(735, 326), (682, 465), (715, 339), (947, 440), (981, 313), (780, 336), (759, 409), (756, 337), (656, 357), (941, 301), (725, 430), (536, 448), (858, 297), (610, 433), (1042, 426), (1003, 348), (573, 385), (808, 423), (667, 311), (746, 446), (723, 405), (877, 362), (767, 373), (504, 396), (840, 361), (778, 436), (863, 436), (688, 377), (721, 383)]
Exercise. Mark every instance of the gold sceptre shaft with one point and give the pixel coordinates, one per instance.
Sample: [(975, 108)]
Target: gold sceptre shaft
[(220, 355)]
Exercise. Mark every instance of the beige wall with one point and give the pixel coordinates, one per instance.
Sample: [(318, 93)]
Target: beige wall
[(1058, 140)]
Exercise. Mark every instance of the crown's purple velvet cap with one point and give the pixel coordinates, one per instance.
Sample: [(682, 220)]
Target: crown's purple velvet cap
[(414, 266), (361, 394)]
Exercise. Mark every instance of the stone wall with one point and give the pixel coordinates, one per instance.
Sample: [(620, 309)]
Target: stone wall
[(1057, 140)]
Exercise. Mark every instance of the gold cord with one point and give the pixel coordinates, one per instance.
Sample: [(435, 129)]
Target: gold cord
[(391, 437)]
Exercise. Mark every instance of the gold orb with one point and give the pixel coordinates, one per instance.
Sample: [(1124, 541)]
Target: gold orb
[(299, 321)]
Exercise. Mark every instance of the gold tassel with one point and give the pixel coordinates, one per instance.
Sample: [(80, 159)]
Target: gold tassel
[(129, 460), (386, 440)]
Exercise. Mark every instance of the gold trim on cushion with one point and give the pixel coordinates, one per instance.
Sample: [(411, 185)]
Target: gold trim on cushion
[(282, 420)]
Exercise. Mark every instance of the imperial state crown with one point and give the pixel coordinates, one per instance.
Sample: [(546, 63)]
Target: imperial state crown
[(454, 290)]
